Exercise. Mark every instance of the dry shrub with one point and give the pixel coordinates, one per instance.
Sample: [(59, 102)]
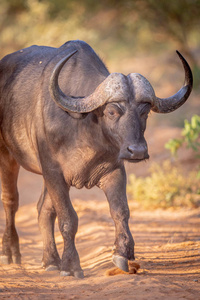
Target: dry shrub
[(165, 187)]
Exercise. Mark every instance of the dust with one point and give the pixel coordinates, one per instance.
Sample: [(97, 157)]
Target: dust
[(133, 268)]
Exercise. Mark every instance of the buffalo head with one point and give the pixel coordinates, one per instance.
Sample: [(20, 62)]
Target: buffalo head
[(124, 102)]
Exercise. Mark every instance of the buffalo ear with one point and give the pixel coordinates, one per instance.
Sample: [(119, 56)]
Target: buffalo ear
[(75, 115)]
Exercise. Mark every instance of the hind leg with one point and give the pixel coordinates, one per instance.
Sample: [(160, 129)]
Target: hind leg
[(46, 218), (9, 170)]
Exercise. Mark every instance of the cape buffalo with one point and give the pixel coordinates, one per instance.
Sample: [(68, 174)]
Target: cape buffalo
[(64, 116)]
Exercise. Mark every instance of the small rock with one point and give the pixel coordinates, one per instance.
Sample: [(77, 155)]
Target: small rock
[(195, 280)]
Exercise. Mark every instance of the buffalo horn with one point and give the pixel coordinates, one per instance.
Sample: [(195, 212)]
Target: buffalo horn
[(70, 103), (170, 104)]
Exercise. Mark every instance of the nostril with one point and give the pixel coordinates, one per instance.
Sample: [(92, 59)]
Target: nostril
[(131, 149), (138, 152)]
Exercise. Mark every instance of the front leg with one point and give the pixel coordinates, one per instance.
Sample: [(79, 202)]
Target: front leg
[(67, 221), (114, 187), (46, 219)]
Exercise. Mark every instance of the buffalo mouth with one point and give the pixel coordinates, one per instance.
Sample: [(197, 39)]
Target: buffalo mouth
[(134, 156), (134, 160)]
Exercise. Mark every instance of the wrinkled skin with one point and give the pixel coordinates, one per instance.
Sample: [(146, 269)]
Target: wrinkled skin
[(66, 148)]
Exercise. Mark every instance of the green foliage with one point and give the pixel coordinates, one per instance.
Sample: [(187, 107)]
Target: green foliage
[(190, 137), (165, 187), (191, 133), (173, 145)]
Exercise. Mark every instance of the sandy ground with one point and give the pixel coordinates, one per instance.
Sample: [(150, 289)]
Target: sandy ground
[(167, 246)]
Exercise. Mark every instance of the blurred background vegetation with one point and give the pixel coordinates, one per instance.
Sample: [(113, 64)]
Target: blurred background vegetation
[(130, 36), (115, 27)]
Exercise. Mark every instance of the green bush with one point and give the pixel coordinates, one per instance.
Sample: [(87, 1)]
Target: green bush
[(190, 138), (165, 187)]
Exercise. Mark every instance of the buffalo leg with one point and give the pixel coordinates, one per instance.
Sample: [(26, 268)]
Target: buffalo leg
[(67, 221), (46, 218), (114, 186), (9, 170)]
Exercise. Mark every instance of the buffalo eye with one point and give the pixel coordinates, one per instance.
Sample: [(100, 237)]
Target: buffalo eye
[(144, 116), (113, 111), (144, 110)]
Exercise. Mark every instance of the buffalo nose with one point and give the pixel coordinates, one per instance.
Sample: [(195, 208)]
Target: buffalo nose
[(138, 152)]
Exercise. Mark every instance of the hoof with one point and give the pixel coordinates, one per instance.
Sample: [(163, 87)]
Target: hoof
[(51, 268), (120, 262), (64, 273), (79, 274), (5, 260)]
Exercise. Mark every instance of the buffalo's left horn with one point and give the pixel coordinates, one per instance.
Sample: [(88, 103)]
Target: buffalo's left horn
[(170, 104), (70, 103)]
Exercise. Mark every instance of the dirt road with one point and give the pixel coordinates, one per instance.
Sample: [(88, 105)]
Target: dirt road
[(167, 249)]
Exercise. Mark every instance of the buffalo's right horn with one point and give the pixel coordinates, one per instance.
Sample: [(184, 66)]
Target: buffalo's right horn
[(70, 103), (172, 103)]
